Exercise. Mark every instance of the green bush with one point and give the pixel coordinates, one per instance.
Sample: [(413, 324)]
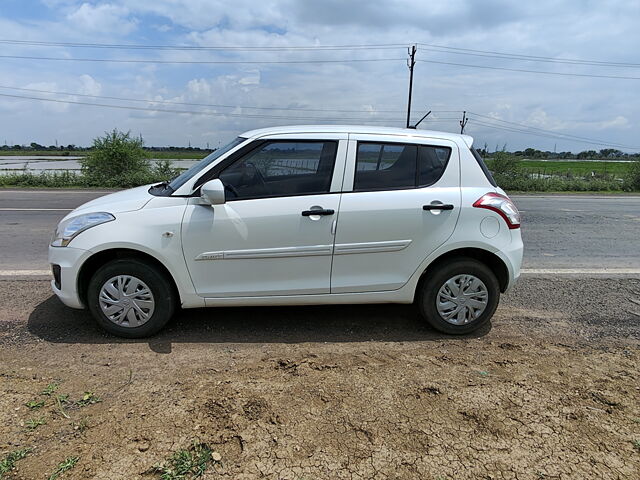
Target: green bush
[(529, 183), (163, 170), (501, 163), (632, 178), (116, 160)]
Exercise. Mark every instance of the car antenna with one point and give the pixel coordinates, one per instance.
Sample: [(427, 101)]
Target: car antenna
[(420, 121)]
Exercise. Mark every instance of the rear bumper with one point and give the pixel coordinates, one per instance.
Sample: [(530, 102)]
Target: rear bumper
[(68, 260), (512, 257)]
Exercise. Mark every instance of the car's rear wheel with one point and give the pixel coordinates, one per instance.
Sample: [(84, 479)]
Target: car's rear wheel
[(130, 298), (459, 296)]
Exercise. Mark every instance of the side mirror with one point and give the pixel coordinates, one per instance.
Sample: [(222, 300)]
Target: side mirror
[(212, 192)]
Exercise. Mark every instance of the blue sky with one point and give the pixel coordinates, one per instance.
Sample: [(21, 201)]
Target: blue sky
[(371, 92)]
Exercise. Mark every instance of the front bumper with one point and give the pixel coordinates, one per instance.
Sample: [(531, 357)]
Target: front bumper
[(69, 260)]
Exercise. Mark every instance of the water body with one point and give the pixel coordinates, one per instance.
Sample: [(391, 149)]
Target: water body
[(37, 164)]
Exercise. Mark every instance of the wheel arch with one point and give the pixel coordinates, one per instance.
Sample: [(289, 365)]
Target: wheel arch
[(98, 259), (490, 259)]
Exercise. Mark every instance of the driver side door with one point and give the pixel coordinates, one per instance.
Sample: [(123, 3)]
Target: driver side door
[(274, 235)]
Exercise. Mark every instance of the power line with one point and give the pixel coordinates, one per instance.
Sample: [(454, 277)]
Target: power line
[(168, 102), (484, 53), (531, 71), (201, 62), (546, 60), (528, 132), (545, 131), (119, 46), (196, 112), (389, 46)]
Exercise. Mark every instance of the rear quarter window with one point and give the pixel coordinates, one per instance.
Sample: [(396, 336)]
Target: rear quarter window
[(483, 166)]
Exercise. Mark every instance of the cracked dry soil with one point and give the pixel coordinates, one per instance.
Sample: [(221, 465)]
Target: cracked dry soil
[(550, 391)]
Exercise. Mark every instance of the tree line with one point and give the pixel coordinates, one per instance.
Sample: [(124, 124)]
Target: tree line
[(36, 147), (532, 153)]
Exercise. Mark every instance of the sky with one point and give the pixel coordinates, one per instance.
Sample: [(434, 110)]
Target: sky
[(280, 71)]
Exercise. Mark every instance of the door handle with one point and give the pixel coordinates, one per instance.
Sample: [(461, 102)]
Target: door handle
[(445, 206), (320, 211)]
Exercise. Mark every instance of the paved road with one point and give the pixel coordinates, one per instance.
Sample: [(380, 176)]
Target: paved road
[(560, 231), (580, 231)]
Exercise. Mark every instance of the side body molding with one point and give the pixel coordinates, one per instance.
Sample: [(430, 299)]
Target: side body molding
[(311, 250), (305, 251)]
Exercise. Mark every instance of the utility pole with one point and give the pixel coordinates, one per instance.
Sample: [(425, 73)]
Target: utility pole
[(463, 122), (411, 62)]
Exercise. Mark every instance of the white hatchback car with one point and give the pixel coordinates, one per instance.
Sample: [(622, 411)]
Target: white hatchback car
[(298, 216)]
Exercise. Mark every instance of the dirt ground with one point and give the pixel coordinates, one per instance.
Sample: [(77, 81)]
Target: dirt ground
[(551, 390)]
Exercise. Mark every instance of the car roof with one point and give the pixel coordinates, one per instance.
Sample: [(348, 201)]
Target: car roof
[(363, 129)]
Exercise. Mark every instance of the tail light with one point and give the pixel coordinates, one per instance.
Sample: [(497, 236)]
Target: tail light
[(502, 205)]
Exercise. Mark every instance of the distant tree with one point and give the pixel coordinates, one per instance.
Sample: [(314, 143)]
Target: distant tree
[(611, 153), (587, 154)]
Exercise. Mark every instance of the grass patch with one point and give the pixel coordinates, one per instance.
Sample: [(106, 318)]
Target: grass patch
[(8, 463), (34, 423), (89, 398), (71, 179), (169, 155), (578, 168), (188, 463), (35, 404), (50, 389), (64, 466)]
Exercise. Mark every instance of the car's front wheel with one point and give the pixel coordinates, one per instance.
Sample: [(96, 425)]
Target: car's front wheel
[(130, 298), (459, 296)]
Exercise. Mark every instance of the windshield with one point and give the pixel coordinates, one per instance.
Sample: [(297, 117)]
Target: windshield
[(202, 164)]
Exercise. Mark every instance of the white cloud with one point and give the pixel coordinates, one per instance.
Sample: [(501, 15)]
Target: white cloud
[(617, 122), (102, 18), (89, 86)]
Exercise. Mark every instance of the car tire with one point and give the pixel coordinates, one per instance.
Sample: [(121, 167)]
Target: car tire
[(438, 298), (138, 296)]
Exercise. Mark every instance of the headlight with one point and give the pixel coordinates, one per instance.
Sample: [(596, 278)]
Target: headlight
[(68, 229)]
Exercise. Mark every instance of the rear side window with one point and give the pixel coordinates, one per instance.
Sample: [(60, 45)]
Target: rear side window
[(484, 167), (431, 164), (389, 166)]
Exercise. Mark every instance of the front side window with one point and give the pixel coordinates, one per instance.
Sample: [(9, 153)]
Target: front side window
[(389, 166), (282, 168)]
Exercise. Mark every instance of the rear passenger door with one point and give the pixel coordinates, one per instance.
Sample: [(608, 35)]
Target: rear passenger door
[(400, 201)]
